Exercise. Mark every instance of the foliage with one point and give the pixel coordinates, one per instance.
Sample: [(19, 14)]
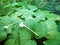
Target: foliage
[(58, 7), (23, 22)]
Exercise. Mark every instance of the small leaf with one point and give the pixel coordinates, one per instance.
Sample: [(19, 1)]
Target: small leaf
[(52, 42), (58, 7), (28, 42), (32, 7), (3, 36), (51, 16), (25, 13), (39, 15)]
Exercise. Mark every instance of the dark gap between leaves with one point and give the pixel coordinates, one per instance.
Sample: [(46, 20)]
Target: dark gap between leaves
[(2, 42), (58, 25), (40, 41), (34, 16), (56, 12), (21, 17)]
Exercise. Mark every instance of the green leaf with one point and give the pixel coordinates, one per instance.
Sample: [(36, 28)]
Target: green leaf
[(18, 34), (23, 42), (3, 35), (12, 42), (39, 27), (52, 30), (28, 42), (58, 7), (52, 42), (13, 38), (32, 7), (5, 20), (40, 15), (51, 15), (53, 36), (23, 32), (25, 13), (51, 25)]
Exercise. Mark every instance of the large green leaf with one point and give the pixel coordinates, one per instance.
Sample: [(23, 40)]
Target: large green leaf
[(52, 30), (24, 33), (38, 27), (21, 23), (18, 34)]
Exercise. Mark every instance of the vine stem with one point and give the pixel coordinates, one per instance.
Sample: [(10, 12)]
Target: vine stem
[(31, 30), (6, 27), (23, 25), (13, 23)]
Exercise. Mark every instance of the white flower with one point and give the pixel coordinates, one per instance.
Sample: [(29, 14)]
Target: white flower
[(6, 27), (21, 24)]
